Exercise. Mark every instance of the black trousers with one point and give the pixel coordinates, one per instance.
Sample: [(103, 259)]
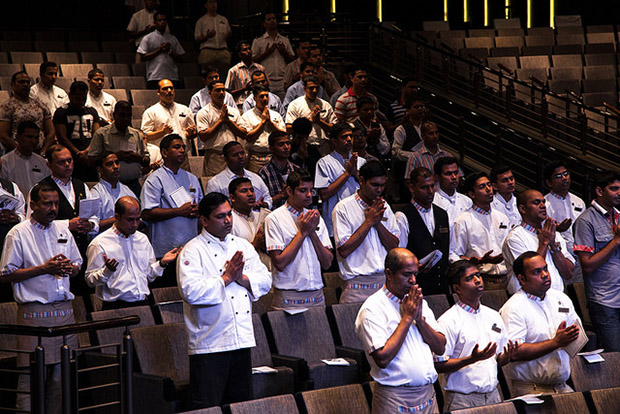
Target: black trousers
[(220, 378)]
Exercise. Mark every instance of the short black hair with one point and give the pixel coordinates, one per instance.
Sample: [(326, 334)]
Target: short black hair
[(470, 181), (78, 86), (210, 202), (305, 64), (234, 184), (372, 169), (16, 74), (212, 84), (456, 270), (364, 100), (302, 126), (167, 141), (551, 167), (498, 170), (275, 135), (312, 79), (228, 146), (297, 177), (338, 129), (93, 72), (43, 67), (256, 89), (35, 192), (605, 178), (420, 172), (122, 105), (240, 44), (26, 125), (442, 162), (159, 13), (53, 149), (101, 159), (207, 70), (518, 266)]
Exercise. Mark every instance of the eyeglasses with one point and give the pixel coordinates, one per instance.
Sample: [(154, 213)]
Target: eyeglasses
[(562, 174)]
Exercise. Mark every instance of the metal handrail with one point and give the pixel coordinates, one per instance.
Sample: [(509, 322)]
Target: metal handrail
[(69, 329)]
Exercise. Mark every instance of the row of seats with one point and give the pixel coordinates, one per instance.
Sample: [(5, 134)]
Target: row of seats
[(112, 56), (76, 46), (72, 70), (357, 399)]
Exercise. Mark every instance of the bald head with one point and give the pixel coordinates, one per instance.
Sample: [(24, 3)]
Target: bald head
[(396, 257), (125, 203), (525, 195), (127, 215), (401, 268)]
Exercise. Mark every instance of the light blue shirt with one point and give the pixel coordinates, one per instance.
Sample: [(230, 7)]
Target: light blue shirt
[(296, 90)]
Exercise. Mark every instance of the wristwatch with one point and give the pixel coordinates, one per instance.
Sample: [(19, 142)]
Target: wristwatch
[(556, 249)]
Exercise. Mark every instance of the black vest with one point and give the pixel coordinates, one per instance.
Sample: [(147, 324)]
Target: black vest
[(421, 243), (66, 210), (4, 228), (411, 136)]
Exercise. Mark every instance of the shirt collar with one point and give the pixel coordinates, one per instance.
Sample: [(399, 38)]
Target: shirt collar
[(292, 210), (59, 182), (532, 297), (360, 201), (529, 228), (240, 214), (119, 233), (559, 197), (212, 239), (22, 156), (340, 158), (450, 198), (468, 308), (39, 225), (392, 297), (232, 174), (420, 208), (481, 211), (425, 150), (605, 213), (501, 199)]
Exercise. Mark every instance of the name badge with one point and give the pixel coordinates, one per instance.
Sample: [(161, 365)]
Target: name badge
[(36, 169), (106, 104), (496, 328), (578, 208), (444, 230), (182, 115), (563, 310), (502, 226), (62, 241)]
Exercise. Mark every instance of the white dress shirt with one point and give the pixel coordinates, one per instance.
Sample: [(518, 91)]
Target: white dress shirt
[(304, 272), (376, 322), (140, 20), (109, 196), (178, 116), (217, 23), (530, 319), (254, 117), (14, 202), (53, 98), (247, 226), (103, 104), (24, 171), (162, 66), (201, 98), (275, 104), (275, 63), (369, 257), (218, 318), (208, 116), (328, 169), (302, 108), (31, 244), (560, 208), (455, 205), (509, 208), (464, 327), (524, 238), (219, 184), (136, 266), (427, 215), (476, 232), (156, 192)]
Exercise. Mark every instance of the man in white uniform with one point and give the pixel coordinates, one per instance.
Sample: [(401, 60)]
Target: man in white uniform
[(400, 335), (101, 101), (505, 200), (447, 175), (46, 90), (211, 32), (219, 276)]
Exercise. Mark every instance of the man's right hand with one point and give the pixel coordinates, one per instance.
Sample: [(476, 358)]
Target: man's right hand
[(546, 234), (233, 268), (411, 305), (308, 222), (168, 129), (110, 264), (189, 210), (55, 266), (374, 212), (351, 165), (565, 335)]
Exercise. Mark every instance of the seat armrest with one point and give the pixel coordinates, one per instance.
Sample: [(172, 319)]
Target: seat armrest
[(298, 365), (356, 354)]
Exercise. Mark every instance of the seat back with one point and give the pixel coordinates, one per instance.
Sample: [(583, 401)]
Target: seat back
[(166, 294), (482, 33), (8, 315), (567, 60), (336, 400), (269, 405), (509, 41), (76, 70), (144, 97), (8, 69), (114, 69), (531, 62), (606, 72), (304, 335), (26, 57), (486, 42), (63, 57), (570, 403), (261, 355), (162, 351), (118, 94), (438, 304), (606, 401), (170, 312), (114, 335), (96, 57), (344, 315), (600, 59), (588, 376), (566, 73), (129, 82), (540, 40)]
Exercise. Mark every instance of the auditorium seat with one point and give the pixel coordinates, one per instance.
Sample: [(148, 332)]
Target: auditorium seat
[(606, 401), (16, 45), (79, 313), (586, 376), (534, 62), (599, 85), (569, 49), (114, 335), (509, 62), (540, 40), (118, 94), (455, 43), (330, 295), (539, 73), (64, 83), (125, 57), (137, 110), (451, 34), (116, 46), (482, 33), (188, 69), (210, 410), (486, 42), (334, 280), (595, 48), (435, 25), (600, 28), (599, 99), (138, 69), (96, 57), (268, 384), (561, 86), (480, 53), (4, 57), (607, 72), (509, 41), (563, 61), (263, 304), (5, 95), (570, 403), (62, 57), (114, 69), (336, 400), (166, 294), (169, 304), (280, 404), (494, 299), (577, 292), (510, 32), (163, 380), (76, 70), (568, 29), (8, 69), (438, 304), (600, 59), (574, 39), (183, 96), (129, 82), (50, 46), (26, 57), (502, 408), (307, 336), (144, 97), (8, 315), (343, 317), (566, 73), (505, 51), (83, 46), (609, 37)]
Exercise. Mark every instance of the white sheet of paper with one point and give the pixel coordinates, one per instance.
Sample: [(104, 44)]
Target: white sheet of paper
[(594, 358), (574, 347), (8, 202), (529, 399), (336, 361), (295, 311), (430, 260), (180, 196), (89, 207), (264, 370), (596, 351)]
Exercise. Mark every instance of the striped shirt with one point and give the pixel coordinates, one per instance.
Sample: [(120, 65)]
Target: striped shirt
[(424, 158), (346, 110), (239, 76)]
